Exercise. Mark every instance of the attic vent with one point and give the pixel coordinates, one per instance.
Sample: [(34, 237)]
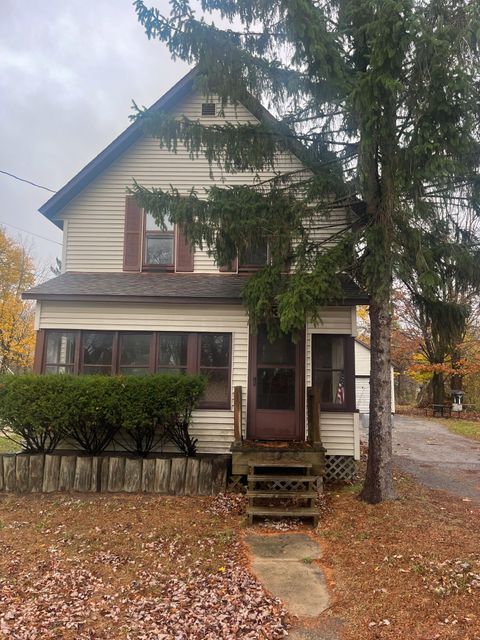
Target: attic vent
[(208, 109)]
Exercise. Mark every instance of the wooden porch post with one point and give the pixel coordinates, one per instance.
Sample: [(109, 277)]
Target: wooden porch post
[(237, 414), (313, 414)]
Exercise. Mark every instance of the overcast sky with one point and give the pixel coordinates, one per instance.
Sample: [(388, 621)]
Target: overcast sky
[(69, 70)]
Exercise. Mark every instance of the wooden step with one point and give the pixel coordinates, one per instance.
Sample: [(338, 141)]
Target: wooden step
[(281, 465), (273, 476), (265, 493)]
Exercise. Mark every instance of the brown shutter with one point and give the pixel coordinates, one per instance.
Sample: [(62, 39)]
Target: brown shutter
[(132, 247), (229, 268), (183, 252)]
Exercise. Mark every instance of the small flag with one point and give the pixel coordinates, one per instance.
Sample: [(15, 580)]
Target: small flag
[(340, 397)]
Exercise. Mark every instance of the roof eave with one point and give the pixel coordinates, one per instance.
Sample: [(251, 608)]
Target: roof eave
[(115, 149)]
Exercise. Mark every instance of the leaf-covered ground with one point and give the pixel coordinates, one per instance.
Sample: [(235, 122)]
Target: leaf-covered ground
[(406, 570), (142, 567), (128, 567)]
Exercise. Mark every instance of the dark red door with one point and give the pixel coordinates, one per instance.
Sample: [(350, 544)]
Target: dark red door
[(276, 388)]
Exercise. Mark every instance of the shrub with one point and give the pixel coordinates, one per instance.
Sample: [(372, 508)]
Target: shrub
[(91, 410), (178, 424), (29, 408), (152, 406)]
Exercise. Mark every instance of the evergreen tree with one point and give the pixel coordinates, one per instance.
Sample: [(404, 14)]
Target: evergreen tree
[(379, 98), (443, 282)]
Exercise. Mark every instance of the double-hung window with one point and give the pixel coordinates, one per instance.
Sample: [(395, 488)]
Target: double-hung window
[(159, 245), (253, 257)]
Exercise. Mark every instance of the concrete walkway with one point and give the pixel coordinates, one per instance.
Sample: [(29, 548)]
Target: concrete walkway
[(284, 564), (436, 457)]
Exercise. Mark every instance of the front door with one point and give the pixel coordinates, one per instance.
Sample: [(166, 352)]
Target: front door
[(276, 388)]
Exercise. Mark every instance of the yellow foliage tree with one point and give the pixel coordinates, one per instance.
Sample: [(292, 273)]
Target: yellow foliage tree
[(17, 337)]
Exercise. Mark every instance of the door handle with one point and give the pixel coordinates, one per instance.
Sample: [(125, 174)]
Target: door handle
[(255, 381)]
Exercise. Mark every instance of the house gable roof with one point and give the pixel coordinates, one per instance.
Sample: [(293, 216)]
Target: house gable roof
[(133, 133), (115, 149)]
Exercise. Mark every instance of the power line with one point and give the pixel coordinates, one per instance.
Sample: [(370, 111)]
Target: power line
[(30, 233), (34, 184)]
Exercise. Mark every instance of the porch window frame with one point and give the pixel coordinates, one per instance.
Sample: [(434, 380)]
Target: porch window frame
[(228, 402), (193, 355), (151, 354), (349, 406)]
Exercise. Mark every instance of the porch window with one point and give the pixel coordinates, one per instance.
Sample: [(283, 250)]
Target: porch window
[(97, 352), (159, 244), (60, 352), (139, 353), (214, 364), (172, 352), (333, 371), (134, 353)]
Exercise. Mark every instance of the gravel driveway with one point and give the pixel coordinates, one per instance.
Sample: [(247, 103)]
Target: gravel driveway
[(436, 457)]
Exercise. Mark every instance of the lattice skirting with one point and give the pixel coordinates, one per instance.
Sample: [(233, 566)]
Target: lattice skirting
[(340, 468)]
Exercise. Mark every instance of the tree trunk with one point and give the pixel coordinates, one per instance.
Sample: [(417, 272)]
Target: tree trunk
[(438, 388), (378, 485)]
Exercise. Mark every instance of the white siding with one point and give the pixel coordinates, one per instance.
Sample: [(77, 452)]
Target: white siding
[(93, 238), (94, 241), (213, 428), (362, 382), (337, 430), (362, 360), (362, 394)]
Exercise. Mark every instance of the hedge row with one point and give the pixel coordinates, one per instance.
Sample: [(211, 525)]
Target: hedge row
[(139, 413)]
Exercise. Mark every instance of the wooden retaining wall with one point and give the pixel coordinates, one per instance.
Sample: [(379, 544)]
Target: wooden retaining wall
[(28, 473)]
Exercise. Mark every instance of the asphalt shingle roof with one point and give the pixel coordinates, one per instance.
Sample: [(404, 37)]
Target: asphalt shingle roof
[(171, 287)]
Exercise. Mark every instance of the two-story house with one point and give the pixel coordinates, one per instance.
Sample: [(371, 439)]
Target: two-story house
[(134, 298)]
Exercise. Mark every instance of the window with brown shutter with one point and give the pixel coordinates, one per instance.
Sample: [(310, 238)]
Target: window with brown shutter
[(158, 245)]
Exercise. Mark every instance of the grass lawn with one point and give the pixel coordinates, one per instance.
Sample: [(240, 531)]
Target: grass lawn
[(131, 567), (467, 428), (7, 446)]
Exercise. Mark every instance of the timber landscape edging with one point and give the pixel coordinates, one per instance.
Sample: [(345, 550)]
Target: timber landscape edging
[(48, 473)]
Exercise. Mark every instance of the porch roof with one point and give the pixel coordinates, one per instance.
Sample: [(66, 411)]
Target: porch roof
[(158, 287)]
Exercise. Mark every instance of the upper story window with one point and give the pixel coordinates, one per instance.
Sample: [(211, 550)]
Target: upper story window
[(159, 244), (254, 257)]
